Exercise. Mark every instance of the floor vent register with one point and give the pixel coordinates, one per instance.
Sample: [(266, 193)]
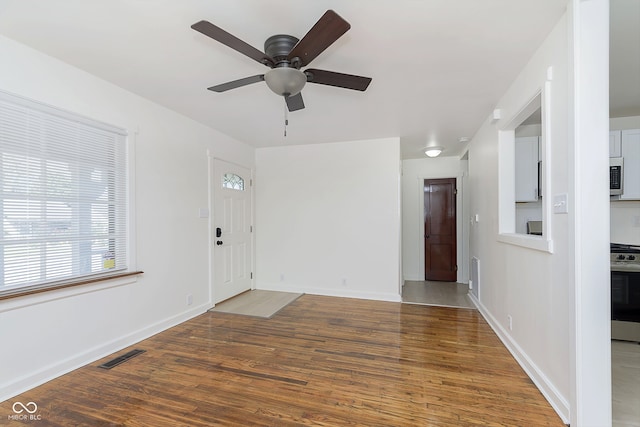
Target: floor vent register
[(121, 359)]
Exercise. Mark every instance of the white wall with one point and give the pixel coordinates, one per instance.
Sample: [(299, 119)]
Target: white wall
[(556, 294), (328, 219), (414, 172), (589, 237), (529, 285), (625, 222), (47, 334)]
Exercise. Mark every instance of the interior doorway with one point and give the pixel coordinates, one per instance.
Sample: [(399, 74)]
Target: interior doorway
[(440, 247)]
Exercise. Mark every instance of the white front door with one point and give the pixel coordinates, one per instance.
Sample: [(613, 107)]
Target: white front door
[(232, 253)]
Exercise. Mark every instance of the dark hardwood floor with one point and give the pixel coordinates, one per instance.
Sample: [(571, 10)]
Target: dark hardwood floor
[(320, 361)]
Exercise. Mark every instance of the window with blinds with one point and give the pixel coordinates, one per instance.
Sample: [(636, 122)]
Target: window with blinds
[(63, 196)]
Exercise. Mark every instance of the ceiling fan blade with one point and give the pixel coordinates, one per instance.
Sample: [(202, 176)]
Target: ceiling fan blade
[(237, 83), (327, 30), (332, 78), (218, 34), (295, 102)]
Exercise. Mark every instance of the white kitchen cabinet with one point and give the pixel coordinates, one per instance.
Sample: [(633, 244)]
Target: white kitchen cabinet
[(631, 156), (526, 162), (615, 143)]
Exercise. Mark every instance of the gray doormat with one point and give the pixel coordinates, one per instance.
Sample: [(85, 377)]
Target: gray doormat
[(257, 303)]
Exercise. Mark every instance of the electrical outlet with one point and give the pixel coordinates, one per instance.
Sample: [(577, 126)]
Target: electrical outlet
[(189, 299), (344, 281), (510, 320)]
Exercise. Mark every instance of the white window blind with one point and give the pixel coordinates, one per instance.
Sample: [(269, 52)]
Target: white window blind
[(63, 196)]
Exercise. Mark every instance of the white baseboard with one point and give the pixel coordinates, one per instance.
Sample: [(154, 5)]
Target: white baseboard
[(62, 367), (546, 387), (331, 292)]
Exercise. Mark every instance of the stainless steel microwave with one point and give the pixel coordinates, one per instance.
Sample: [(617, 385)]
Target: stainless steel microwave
[(616, 165)]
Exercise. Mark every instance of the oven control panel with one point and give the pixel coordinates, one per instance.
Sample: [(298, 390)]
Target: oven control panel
[(625, 262)]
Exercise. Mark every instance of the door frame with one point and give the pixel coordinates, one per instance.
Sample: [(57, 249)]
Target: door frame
[(444, 181), (462, 233), (211, 158)]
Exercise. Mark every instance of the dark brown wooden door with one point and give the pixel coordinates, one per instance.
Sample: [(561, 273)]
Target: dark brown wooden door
[(440, 230)]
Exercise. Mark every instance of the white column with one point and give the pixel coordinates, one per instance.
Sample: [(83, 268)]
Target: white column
[(589, 218)]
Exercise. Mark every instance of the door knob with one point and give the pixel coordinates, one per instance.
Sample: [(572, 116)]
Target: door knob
[(219, 242)]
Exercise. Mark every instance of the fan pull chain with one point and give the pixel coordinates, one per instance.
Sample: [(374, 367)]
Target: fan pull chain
[(286, 118)]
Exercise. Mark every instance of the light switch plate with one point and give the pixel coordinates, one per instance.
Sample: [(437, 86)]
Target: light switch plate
[(561, 203)]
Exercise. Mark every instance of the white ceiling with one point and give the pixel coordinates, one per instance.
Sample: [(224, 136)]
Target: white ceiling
[(438, 66)]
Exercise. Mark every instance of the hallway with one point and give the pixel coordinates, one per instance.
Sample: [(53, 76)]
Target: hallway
[(445, 294)]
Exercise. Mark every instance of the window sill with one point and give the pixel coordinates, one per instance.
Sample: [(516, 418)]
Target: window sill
[(21, 292), (538, 243)]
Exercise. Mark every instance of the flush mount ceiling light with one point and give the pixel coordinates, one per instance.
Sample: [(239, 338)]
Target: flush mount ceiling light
[(433, 151), (285, 81)]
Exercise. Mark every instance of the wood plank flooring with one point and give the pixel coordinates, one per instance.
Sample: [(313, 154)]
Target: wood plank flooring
[(320, 361)]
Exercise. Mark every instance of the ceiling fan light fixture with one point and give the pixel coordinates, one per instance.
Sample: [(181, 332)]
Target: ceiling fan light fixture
[(285, 81), (433, 151)]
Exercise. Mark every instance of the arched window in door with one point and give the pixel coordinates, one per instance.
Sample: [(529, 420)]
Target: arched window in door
[(232, 182)]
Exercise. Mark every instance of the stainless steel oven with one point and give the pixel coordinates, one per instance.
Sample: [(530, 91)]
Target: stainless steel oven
[(625, 292)]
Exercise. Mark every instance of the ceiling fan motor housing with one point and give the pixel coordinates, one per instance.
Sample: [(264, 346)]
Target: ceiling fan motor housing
[(278, 47)]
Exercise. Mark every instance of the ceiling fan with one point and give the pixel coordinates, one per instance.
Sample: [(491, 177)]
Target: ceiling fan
[(286, 55)]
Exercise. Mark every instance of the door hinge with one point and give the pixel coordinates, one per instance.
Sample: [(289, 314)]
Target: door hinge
[(252, 275), (251, 183), (251, 229), (455, 191), (456, 268)]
